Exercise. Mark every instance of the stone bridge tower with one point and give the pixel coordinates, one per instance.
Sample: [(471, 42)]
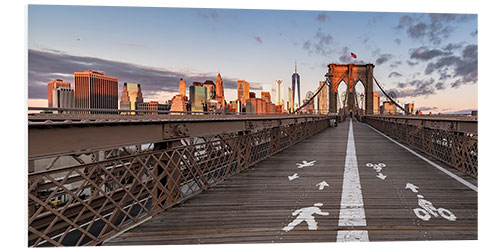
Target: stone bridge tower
[(350, 74)]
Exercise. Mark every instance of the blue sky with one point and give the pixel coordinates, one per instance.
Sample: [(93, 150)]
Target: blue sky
[(428, 59)]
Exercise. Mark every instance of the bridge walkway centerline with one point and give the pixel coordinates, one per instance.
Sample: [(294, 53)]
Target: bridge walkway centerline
[(256, 205)]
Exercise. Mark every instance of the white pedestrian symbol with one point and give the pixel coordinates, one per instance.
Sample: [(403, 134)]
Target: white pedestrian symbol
[(306, 214), (305, 164), (322, 185), (293, 177), (427, 209)]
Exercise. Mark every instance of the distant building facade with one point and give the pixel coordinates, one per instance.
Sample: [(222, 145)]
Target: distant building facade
[(51, 87), (95, 90), (63, 97), (266, 96), (131, 95), (388, 108), (152, 106), (290, 100), (198, 97), (210, 85), (179, 101), (243, 89), (376, 103), (323, 98), (410, 108), (219, 91)]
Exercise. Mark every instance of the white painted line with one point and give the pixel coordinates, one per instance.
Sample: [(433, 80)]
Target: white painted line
[(452, 175), (352, 212)]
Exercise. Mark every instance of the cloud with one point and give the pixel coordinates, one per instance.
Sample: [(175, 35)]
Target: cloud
[(208, 14), (44, 66), (322, 44), (463, 67), (322, 18), (383, 58), (440, 86), (433, 28), (474, 33), (395, 64), (425, 54), (133, 45), (395, 74), (365, 40), (345, 55), (427, 108), (411, 63), (257, 38), (397, 41), (414, 88), (452, 47), (463, 111)]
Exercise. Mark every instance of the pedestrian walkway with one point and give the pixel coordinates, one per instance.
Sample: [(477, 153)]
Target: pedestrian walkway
[(347, 183)]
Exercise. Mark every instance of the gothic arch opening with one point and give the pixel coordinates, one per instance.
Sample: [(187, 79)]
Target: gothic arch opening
[(351, 75)]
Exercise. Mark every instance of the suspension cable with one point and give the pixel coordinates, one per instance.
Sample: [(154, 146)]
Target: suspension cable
[(317, 92), (394, 102)]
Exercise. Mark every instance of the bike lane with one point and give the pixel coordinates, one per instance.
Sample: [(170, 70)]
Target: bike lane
[(406, 198)]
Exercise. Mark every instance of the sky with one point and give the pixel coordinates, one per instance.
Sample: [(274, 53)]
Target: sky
[(428, 59)]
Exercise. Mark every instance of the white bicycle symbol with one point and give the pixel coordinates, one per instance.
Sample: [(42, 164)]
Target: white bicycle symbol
[(377, 167), (426, 210)]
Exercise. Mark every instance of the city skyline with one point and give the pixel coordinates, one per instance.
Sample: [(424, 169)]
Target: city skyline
[(431, 59)]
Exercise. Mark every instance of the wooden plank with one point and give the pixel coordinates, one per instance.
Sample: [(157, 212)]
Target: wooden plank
[(254, 206)]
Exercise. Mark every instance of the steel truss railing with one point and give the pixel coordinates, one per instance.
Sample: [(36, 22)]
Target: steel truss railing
[(118, 188), (457, 149)]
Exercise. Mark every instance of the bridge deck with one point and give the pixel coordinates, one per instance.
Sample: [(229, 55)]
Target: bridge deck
[(256, 205)]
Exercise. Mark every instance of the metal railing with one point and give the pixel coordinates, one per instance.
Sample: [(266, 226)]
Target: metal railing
[(46, 110), (110, 190), (452, 142)]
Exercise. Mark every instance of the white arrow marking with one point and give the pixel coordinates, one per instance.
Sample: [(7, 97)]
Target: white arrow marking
[(305, 164), (322, 185), (381, 176), (412, 187), (293, 177)]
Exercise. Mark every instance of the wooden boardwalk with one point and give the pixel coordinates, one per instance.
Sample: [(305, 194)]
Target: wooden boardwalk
[(255, 206)]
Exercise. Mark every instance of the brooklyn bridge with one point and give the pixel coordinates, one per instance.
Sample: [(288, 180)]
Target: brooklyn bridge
[(185, 178)]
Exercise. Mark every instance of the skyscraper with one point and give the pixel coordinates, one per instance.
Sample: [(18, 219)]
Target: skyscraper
[(131, 96), (63, 97), (94, 90), (182, 87), (296, 80), (323, 99), (210, 85), (243, 90), (219, 91), (376, 103), (179, 101), (290, 100), (51, 87), (266, 96), (410, 108), (198, 97)]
